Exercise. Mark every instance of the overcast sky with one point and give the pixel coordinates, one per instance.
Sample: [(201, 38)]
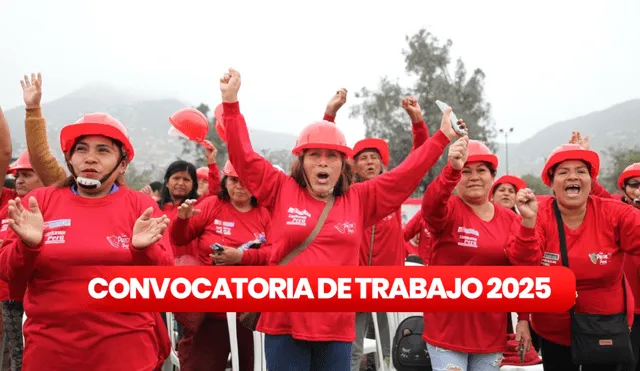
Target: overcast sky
[(545, 61)]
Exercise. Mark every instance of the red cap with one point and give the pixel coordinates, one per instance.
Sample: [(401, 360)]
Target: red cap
[(373, 143)]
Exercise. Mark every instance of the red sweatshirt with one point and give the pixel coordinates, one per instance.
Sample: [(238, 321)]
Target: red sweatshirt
[(414, 226), (6, 195), (91, 231), (220, 222), (631, 265), (596, 256), (462, 238), (294, 213)]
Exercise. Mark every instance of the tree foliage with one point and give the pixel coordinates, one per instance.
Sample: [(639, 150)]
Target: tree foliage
[(536, 185), (621, 157), (434, 77)]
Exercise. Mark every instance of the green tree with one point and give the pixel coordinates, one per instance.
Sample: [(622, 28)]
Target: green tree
[(194, 152), (428, 64), (536, 185), (621, 157)]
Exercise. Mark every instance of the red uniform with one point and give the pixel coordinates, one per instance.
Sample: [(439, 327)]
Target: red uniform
[(414, 226), (596, 257), (294, 213), (91, 231), (6, 195), (460, 238)]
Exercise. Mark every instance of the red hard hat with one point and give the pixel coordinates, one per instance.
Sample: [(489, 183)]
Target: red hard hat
[(570, 152), (509, 179), (191, 123), (229, 170), (203, 172), (22, 163), (479, 152), (379, 145), (631, 171), (324, 135), (96, 124)]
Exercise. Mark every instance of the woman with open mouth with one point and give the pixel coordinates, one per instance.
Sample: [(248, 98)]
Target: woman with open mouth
[(318, 189), (590, 235), (468, 229), (87, 220)]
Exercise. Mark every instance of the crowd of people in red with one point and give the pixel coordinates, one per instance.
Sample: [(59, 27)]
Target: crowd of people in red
[(84, 212)]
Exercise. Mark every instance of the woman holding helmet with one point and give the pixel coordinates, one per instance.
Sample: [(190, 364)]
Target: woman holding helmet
[(319, 187), (124, 226), (468, 229)]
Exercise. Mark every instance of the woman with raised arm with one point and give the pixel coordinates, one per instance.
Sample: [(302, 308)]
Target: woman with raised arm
[(87, 220), (468, 229), (320, 181)]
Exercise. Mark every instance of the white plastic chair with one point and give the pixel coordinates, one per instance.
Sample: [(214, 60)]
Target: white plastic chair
[(173, 336), (259, 360)]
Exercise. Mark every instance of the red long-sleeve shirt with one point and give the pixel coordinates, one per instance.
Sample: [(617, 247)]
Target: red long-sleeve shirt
[(414, 226), (84, 231), (6, 195), (596, 253), (460, 237), (294, 213)]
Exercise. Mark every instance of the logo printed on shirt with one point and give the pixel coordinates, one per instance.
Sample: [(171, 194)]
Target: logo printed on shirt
[(550, 258), (600, 257), (4, 225), (223, 227), (297, 217), (53, 224), (346, 228), (119, 242), (468, 237), (54, 237)]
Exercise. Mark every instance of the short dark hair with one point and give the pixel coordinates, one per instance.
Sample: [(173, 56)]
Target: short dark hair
[(345, 180), (223, 193)]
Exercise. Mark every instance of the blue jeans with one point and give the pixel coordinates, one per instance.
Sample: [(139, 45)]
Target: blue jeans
[(445, 360), (284, 353)]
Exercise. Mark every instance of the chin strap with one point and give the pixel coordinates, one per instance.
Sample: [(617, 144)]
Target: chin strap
[(88, 183)]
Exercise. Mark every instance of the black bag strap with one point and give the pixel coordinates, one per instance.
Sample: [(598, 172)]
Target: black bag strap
[(565, 255)]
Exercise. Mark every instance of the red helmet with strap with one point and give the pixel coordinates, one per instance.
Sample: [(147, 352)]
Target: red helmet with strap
[(96, 124)]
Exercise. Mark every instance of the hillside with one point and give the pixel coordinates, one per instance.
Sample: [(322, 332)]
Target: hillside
[(615, 126), (146, 121)]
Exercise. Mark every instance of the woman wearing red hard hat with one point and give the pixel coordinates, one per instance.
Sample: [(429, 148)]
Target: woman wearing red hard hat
[(504, 190), (89, 219), (468, 229), (319, 187), (595, 235), (234, 220)]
